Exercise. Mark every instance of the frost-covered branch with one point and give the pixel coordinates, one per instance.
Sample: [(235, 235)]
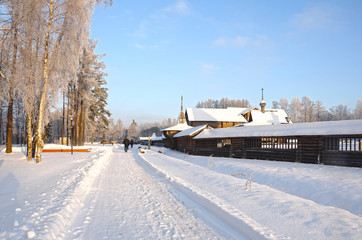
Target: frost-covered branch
[(3, 76)]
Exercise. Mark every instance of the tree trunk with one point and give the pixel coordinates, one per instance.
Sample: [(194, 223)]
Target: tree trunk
[(84, 137), (44, 93), (63, 124), (1, 123), (94, 122), (29, 136), (75, 117), (81, 126), (81, 117), (68, 116), (9, 125)]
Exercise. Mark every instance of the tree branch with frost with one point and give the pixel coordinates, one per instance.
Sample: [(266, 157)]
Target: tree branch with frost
[(2, 75)]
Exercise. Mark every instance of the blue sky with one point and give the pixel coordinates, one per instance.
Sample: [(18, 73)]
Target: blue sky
[(159, 50)]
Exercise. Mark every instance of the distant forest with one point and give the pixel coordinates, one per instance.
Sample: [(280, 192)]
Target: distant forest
[(223, 103), (300, 110)]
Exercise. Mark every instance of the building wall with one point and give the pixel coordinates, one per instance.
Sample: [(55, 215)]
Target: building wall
[(304, 149), (185, 144), (214, 124)]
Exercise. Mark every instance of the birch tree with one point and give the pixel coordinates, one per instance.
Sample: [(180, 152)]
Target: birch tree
[(66, 21), (340, 112), (283, 103), (34, 35), (295, 109), (9, 45)]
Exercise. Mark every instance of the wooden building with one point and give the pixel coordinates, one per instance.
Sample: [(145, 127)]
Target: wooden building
[(229, 117), (214, 117), (153, 139), (332, 143), (184, 141)]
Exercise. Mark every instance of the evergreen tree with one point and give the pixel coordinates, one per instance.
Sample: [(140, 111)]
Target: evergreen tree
[(98, 114)]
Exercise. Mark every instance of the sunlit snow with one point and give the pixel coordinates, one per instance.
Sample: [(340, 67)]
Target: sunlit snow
[(163, 194)]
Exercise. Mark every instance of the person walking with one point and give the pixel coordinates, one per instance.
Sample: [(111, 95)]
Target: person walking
[(126, 144), (131, 142)]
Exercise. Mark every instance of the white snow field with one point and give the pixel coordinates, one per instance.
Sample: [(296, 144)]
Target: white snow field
[(163, 194)]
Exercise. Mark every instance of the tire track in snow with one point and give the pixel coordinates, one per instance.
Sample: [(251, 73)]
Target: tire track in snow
[(60, 221), (128, 203)]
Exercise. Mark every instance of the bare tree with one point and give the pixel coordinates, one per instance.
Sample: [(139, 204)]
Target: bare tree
[(118, 129), (283, 104), (321, 114), (133, 130), (275, 105), (307, 110), (358, 110), (295, 109), (223, 103), (340, 112)]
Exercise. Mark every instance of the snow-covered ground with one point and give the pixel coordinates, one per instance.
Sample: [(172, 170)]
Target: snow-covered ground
[(163, 194)]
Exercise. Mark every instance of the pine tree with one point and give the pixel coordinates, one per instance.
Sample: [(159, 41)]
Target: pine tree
[(98, 114)]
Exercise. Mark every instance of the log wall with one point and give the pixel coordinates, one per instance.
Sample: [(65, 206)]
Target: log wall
[(304, 149)]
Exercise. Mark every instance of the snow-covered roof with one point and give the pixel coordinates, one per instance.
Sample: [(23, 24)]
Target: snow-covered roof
[(177, 127), (272, 116), (248, 109), (215, 114), (191, 131), (153, 138), (346, 127)]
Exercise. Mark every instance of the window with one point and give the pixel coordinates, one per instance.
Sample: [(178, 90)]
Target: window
[(223, 142), (269, 142), (252, 143), (343, 144), (279, 143)]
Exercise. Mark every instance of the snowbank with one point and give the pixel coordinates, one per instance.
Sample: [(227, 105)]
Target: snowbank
[(266, 211)]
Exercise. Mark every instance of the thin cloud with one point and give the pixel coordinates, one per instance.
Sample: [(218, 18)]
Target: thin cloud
[(260, 42), (207, 69), (181, 7), (155, 46), (232, 42), (140, 32), (139, 46), (316, 18)]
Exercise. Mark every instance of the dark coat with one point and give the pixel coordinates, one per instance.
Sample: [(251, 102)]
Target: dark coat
[(126, 142)]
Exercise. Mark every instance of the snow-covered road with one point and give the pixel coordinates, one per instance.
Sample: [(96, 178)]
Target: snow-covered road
[(125, 202), (163, 194)]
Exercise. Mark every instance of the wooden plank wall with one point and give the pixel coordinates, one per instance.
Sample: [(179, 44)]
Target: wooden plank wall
[(272, 154), (348, 159), (185, 144), (310, 150), (238, 148), (309, 147)]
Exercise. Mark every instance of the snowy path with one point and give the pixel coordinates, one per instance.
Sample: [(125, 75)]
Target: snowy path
[(127, 203), (109, 194)]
